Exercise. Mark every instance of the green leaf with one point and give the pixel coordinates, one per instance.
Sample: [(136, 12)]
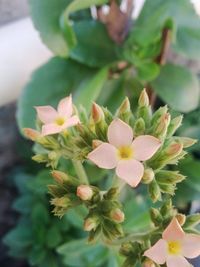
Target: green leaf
[(53, 237), (79, 253), (188, 41), (48, 85), (46, 15), (89, 92), (94, 47), (23, 204), (178, 87), (148, 71)]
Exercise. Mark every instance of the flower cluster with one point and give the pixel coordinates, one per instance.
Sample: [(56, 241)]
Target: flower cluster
[(136, 148)]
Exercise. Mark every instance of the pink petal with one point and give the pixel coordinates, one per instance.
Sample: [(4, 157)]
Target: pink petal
[(74, 120), (145, 146), (191, 246), (51, 128), (104, 156), (65, 107), (158, 253), (46, 114), (131, 171), (120, 133), (177, 261), (173, 231)]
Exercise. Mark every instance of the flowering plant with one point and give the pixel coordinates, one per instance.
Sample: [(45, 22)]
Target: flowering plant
[(134, 148)]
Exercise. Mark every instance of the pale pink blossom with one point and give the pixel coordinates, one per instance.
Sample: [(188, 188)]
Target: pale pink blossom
[(124, 153), (174, 247), (55, 121)]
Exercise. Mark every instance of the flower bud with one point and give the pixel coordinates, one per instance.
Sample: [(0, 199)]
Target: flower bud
[(173, 150), (174, 125), (148, 176), (96, 143), (117, 215), (62, 202), (124, 107), (84, 192), (97, 113), (156, 116), (169, 177), (139, 127), (181, 218), (40, 158), (186, 141), (59, 176), (156, 217), (143, 99), (163, 123), (91, 223), (192, 220), (148, 263), (31, 134), (154, 191), (53, 155)]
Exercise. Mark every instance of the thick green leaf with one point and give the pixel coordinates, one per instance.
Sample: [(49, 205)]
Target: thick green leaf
[(54, 236), (79, 253), (178, 87), (148, 71), (48, 85), (46, 17), (89, 91), (94, 47)]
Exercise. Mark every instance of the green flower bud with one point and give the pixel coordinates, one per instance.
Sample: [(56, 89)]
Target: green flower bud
[(154, 191), (139, 127), (148, 263), (59, 176), (148, 176), (124, 111), (167, 188), (192, 220), (40, 158), (160, 130), (166, 208), (158, 114), (169, 177), (174, 125), (156, 217), (185, 141), (143, 99)]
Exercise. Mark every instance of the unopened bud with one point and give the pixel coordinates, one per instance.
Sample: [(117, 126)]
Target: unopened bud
[(84, 192), (96, 143), (59, 176), (174, 125), (192, 220), (143, 99), (174, 150), (117, 215), (163, 123), (62, 202), (148, 263), (186, 141), (156, 116), (97, 113), (181, 218), (139, 127), (40, 158), (53, 155), (90, 223), (156, 217), (31, 134), (154, 191), (124, 107), (148, 176), (169, 177)]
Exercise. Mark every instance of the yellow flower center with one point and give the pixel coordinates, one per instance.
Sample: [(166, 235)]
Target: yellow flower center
[(60, 121), (174, 247), (125, 152)]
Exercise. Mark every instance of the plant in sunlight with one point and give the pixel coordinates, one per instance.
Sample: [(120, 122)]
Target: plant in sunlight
[(135, 148)]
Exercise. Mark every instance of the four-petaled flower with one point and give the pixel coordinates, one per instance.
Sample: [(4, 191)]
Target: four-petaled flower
[(174, 246), (124, 153), (55, 121)]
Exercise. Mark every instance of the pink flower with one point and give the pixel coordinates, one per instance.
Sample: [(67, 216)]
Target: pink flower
[(124, 153), (55, 121), (174, 246)]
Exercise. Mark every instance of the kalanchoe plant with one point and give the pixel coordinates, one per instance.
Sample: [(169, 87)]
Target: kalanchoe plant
[(141, 149)]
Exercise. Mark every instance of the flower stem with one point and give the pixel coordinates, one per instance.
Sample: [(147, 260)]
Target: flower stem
[(80, 171)]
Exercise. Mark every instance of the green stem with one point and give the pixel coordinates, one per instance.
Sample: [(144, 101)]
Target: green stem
[(80, 171)]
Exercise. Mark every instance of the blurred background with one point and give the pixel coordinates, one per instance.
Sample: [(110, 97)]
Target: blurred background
[(24, 210)]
